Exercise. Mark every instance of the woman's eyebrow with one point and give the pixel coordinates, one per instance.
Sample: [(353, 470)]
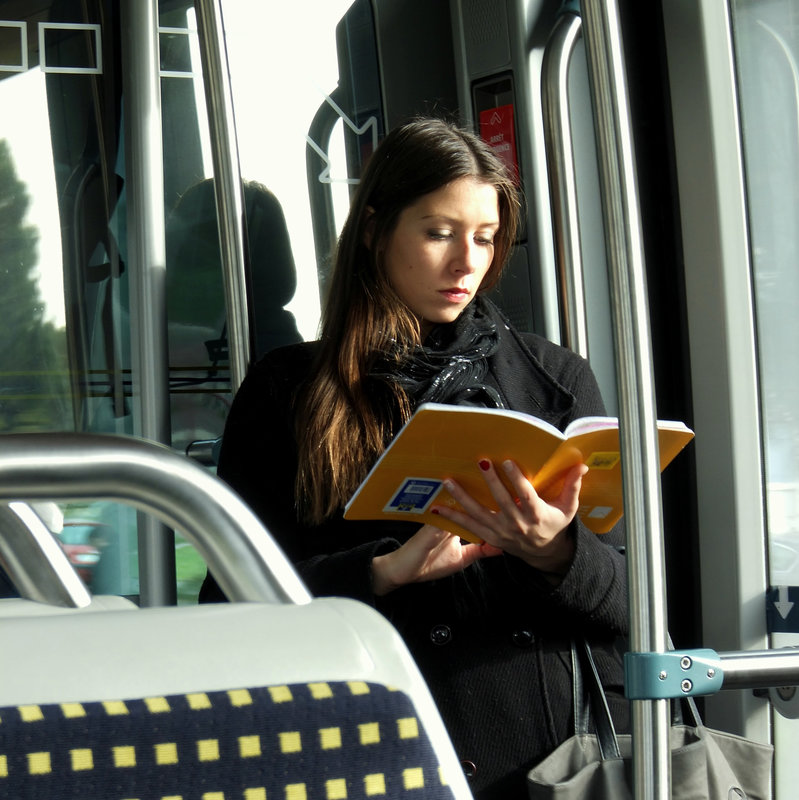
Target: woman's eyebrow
[(455, 220)]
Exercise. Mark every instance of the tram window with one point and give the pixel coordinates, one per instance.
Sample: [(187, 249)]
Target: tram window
[(63, 337), (34, 389), (282, 77), (199, 379), (767, 55), (767, 48)]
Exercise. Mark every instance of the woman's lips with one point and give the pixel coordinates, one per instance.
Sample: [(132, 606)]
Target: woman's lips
[(454, 294)]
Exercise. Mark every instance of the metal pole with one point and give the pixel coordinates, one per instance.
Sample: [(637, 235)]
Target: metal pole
[(144, 180), (618, 183), (760, 669), (227, 184)]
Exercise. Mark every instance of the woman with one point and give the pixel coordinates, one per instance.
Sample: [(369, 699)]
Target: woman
[(406, 321)]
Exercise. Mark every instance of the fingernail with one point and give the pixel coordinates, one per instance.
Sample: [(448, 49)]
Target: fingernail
[(484, 464), (434, 511)]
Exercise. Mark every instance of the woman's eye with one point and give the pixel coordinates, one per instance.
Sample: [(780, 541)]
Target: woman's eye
[(484, 240), (439, 234)]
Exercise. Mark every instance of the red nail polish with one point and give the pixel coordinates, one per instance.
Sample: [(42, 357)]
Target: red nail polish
[(434, 511), (484, 464)]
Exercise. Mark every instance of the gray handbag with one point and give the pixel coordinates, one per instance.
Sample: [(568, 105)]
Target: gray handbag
[(705, 764)]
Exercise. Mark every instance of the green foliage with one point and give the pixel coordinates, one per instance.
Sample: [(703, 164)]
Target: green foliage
[(33, 363)]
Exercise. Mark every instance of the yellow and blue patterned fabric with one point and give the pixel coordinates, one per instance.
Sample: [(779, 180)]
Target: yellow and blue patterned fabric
[(316, 741)]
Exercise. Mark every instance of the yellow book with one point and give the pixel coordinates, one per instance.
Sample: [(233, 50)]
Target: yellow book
[(443, 441)]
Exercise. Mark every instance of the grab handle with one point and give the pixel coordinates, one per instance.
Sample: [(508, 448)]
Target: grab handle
[(562, 180)]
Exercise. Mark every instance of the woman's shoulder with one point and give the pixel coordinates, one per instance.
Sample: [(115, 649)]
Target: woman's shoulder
[(559, 381), (553, 358), (551, 354)]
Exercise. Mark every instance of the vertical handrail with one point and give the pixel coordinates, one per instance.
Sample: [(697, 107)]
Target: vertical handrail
[(147, 266), (626, 267), (562, 179), (227, 183)]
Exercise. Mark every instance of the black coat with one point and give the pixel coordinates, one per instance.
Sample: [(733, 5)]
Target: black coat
[(492, 642)]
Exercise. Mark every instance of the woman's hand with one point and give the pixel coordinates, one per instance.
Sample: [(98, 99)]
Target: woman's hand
[(524, 525), (429, 554)]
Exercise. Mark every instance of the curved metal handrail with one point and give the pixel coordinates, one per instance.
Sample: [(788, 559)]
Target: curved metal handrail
[(320, 194), (562, 179), (35, 562), (246, 561)]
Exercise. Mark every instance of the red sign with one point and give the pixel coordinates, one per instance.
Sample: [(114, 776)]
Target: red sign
[(496, 128)]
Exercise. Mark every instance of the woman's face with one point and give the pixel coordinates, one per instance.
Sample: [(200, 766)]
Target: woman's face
[(442, 248)]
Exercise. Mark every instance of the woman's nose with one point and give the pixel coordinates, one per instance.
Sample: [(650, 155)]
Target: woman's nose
[(466, 258)]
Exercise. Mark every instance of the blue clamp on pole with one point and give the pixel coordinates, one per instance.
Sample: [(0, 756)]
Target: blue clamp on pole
[(659, 676)]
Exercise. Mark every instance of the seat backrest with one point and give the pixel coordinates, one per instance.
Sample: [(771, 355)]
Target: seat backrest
[(228, 701)]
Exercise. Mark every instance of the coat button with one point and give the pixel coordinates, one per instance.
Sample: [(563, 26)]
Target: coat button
[(522, 637), (441, 634), (469, 769)]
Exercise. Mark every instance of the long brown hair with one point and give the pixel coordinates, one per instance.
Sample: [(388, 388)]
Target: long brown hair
[(340, 431)]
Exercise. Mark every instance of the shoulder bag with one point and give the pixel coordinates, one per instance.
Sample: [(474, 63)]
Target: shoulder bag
[(705, 764)]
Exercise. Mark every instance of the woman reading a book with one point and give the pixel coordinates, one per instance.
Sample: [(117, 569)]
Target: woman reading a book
[(406, 321)]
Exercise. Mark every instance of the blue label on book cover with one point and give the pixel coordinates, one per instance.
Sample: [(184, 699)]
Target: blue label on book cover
[(413, 496)]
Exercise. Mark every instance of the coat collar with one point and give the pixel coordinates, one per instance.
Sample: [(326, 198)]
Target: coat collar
[(522, 379)]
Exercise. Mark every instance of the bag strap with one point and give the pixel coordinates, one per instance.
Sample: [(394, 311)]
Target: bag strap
[(580, 700), (592, 697)]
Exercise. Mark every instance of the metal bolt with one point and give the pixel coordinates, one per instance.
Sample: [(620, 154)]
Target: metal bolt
[(663, 675), (711, 673), (685, 662), (686, 686)]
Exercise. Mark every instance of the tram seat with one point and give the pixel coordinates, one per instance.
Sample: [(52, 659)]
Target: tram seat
[(247, 701), (274, 696)]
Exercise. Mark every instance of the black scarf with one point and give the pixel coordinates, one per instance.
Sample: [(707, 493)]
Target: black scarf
[(451, 366)]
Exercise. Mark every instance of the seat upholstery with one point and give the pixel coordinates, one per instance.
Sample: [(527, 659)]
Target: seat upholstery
[(347, 739)]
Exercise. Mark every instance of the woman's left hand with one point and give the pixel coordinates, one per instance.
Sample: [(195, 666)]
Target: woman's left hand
[(524, 525)]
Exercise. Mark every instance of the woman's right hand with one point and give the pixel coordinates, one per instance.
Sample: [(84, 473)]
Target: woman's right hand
[(429, 554)]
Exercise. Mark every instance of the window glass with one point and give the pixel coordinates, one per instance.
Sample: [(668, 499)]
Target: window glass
[(291, 123), (767, 46), (767, 64), (65, 321), (296, 194), (64, 343), (34, 388)]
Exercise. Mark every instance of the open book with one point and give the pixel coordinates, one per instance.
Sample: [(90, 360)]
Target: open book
[(443, 441)]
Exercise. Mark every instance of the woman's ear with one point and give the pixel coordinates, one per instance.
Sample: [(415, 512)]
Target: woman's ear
[(369, 227)]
